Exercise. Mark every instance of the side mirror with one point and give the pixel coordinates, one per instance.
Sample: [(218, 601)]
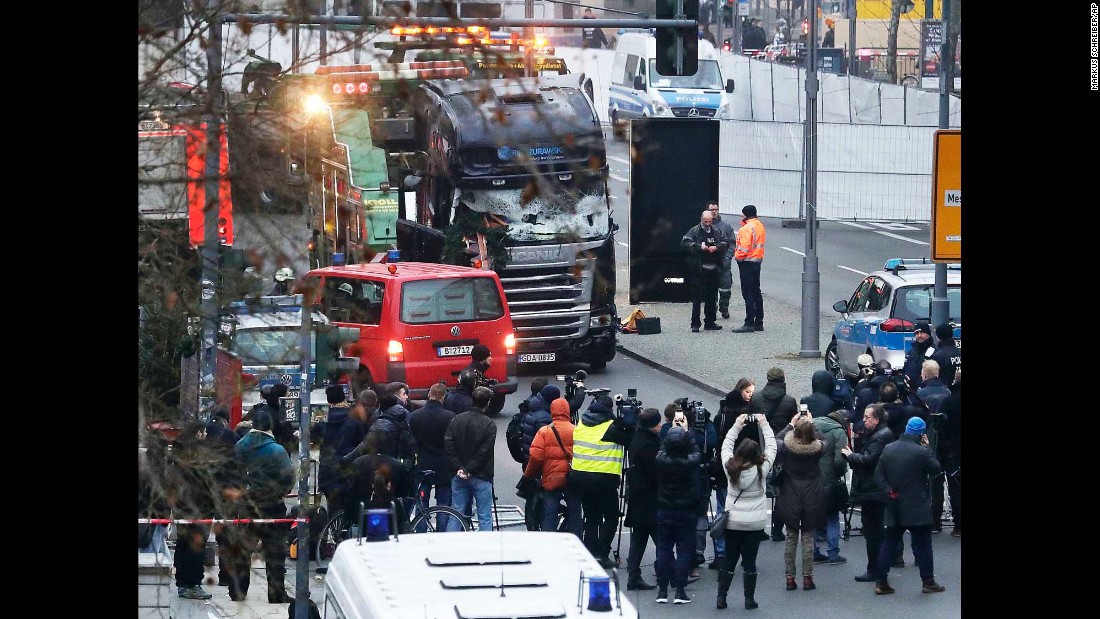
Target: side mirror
[(840, 307), (639, 83), (729, 85)]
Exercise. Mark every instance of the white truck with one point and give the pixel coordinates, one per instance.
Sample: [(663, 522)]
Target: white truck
[(516, 574)]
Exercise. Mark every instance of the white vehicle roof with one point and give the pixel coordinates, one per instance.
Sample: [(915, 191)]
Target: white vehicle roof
[(459, 574), (632, 40)]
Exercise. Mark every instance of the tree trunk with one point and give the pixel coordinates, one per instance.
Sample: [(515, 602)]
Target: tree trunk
[(892, 41)]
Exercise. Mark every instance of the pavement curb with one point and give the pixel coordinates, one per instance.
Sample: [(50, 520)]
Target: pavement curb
[(676, 373)]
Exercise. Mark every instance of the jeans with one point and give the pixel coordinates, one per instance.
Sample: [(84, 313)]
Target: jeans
[(157, 545), (639, 537), (675, 530), (442, 497), (573, 521), (749, 273), (872, 515), (921, 538), (742, 545), (482, 492), (719, 506), (708, 286), (832, 534)]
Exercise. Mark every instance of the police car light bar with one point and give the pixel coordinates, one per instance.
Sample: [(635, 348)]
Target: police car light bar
[(904, 264)]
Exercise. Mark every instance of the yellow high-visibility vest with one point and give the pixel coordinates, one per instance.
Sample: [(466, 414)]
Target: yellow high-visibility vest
[(592, 454)]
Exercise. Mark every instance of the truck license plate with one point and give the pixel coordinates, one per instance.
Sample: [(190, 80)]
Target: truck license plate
[(538, 357), (454, 351)]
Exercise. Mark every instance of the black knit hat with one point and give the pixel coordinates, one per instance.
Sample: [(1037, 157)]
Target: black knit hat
[(945, 332), (480, 352)]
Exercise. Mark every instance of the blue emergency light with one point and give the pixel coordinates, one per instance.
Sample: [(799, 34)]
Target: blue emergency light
[(338, 259), (393, 255), (378, 525), (599, 594)]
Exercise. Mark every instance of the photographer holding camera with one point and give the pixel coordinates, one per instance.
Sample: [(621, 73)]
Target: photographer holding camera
[(702, 430), (706, 244)]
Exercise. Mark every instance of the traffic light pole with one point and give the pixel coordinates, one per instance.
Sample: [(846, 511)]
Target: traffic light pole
[(208, 305), (940, 313), (679, 39), (811, 277), (301, 575)]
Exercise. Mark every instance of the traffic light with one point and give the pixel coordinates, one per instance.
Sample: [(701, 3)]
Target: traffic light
[(669, 38), (330, 339)]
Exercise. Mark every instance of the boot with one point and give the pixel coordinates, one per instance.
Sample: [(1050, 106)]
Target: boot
[(638, 584), (724, 302), (791, 584), (724, 580), (931, 586), (808, 583), (277, 595), (750, 590), (883, 587)]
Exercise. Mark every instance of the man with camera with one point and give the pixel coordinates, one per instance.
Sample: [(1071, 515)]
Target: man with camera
[(865, 492), (706, 245), (706, 439)]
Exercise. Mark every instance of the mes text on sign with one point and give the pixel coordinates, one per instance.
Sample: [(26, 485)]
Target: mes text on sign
[(946, 228)]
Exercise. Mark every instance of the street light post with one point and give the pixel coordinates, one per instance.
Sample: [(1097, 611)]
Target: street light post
[(811, 277)]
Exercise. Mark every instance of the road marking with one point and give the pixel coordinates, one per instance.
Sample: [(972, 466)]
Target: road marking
[(793, 251), (619, 178), (621, 243), (854, 225), (841, 266), (901, 238), (619, 159)]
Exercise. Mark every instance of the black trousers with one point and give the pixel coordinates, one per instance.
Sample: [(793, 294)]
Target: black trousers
[(708, 288), (190, 552), (601, 516), (871, 515), (749, 273), (743, 545), (241, 542), (639, 538)]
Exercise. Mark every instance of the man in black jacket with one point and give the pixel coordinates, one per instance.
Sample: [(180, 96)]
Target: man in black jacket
[(706, 245), (393, 425), (773, 402), (677, 500), (429, 427), (461, 397), (947, 354), (592, 37), (865, 492), (469, 443), (918, 351), (641, 511), (903, 471)]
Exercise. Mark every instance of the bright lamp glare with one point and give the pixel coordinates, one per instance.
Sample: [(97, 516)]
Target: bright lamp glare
[(314, 103)]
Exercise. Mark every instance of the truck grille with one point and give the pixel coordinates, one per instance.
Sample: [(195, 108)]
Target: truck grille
[(549, 304), (685, 112)]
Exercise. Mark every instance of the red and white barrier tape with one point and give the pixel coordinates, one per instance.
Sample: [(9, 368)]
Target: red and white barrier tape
[(219, 520)]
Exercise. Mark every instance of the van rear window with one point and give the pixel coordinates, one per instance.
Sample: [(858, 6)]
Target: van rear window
[(450, 300)]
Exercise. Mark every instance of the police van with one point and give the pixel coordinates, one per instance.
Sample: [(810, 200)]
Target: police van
[(517, 574), (638, 91)]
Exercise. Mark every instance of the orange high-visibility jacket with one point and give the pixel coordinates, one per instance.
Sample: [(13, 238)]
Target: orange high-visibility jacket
[(750, 241)]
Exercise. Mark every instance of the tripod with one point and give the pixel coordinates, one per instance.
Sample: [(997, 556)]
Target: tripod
[(623, 491)]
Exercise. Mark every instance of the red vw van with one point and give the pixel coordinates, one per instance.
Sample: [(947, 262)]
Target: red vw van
[(418, 321)]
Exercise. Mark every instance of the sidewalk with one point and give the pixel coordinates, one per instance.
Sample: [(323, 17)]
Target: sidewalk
[(254, 606)]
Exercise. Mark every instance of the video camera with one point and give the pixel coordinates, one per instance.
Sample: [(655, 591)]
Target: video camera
[(575, 381), (628, 408), (480, 380), (696, 412)]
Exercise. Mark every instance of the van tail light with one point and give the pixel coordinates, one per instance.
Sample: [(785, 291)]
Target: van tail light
[(248, 380), (893, 325), (395, 351), (510, 344)]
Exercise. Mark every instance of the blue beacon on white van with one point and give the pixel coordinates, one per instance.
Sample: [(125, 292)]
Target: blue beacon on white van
[(637, 90)]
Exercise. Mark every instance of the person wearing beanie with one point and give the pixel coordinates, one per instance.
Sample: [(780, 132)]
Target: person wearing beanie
[(327, 434), (947, 354), (538, 415), (597, 471), (706, 245), (641, 504), (748, 252), (903, 472), (677, 507), (920, 350), (773, 401), (550, 455)]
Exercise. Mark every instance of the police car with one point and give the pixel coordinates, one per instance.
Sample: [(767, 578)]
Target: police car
[(880, 317), (266, 333)]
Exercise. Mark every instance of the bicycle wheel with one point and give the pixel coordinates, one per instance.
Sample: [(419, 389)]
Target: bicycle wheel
[(335, 531), (430, 519)]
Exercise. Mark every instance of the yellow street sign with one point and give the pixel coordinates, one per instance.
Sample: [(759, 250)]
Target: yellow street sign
[(946, 238)]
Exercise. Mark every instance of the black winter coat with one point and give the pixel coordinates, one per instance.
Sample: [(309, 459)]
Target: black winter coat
[(772, 400), (801, 500), (538, 415), (458, 400), (950, 358), (932, 393), (395, 436), (867, 393), (914, 359), (643, 481), (469, 443), (820, 400), (905, 467), (678, 472), (868, 449), (328, 473), (898, 414), (429, 426)]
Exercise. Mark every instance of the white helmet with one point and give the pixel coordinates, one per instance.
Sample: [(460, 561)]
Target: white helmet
[(284, 274), (780, 22)]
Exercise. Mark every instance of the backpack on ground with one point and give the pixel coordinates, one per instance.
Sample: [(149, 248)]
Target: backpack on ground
[(513, 434)]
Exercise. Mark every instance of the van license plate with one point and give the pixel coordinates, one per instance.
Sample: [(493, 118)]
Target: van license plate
[(538, 357), (454, 351)]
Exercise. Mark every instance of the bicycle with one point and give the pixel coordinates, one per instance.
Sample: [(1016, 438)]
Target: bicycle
[(421, 518)]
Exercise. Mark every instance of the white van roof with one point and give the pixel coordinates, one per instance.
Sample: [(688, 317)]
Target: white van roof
[(706, 50), (459, 574)]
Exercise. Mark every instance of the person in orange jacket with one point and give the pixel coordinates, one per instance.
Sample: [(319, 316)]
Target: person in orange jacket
[(551, 455), (749, 253)]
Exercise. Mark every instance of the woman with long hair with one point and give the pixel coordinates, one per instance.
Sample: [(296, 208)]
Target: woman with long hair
[(746, 465), (801, 502), (735, 404)]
